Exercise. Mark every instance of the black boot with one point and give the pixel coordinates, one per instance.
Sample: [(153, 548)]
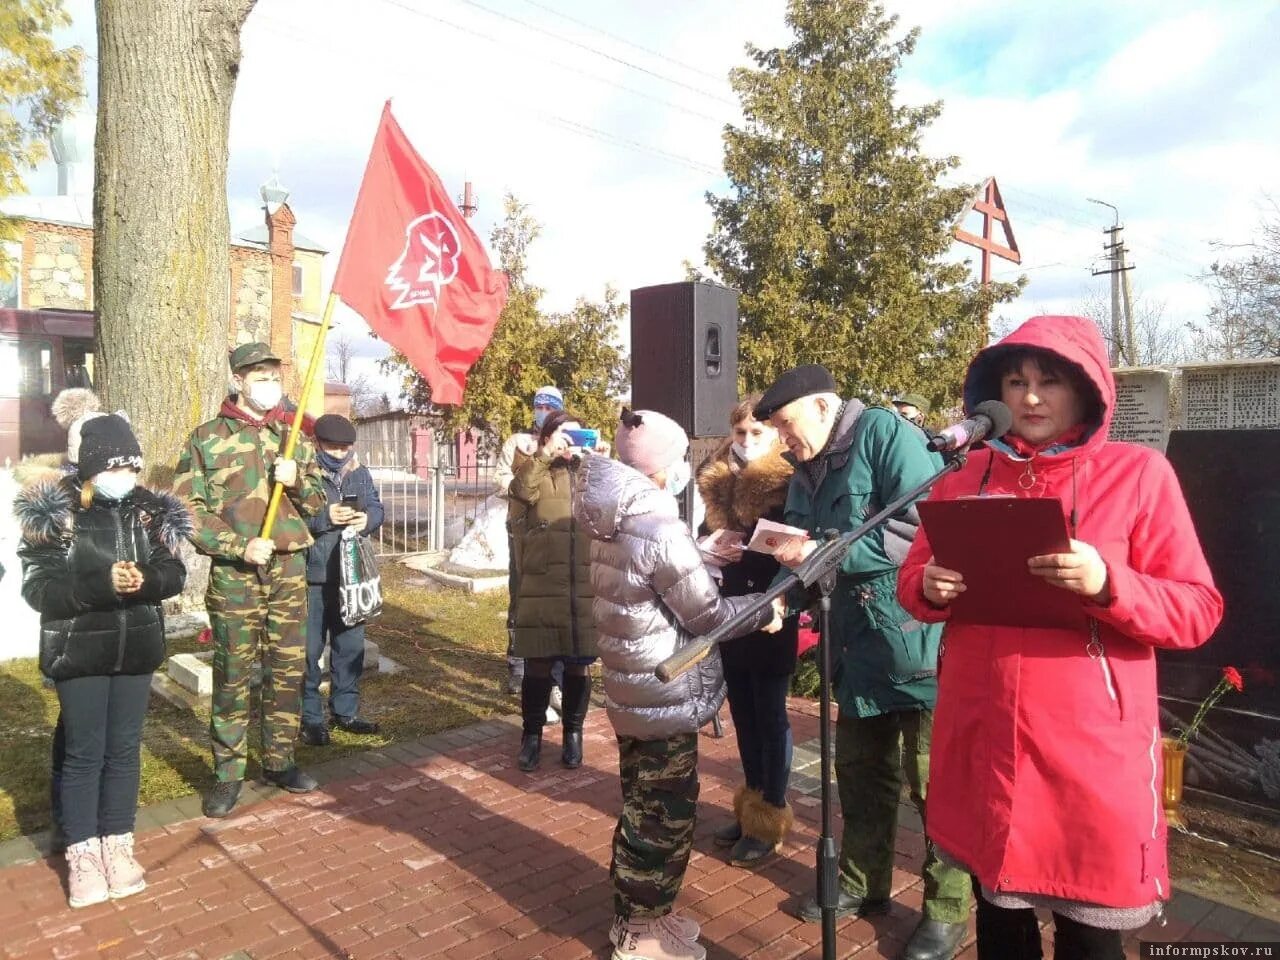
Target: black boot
[(530, 752), (219, 801), (291, 779), (935, 940), (577, 697), (535, 694)]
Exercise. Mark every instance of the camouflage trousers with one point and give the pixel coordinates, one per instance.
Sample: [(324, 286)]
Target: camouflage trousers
[(257, 614), (654, 836)]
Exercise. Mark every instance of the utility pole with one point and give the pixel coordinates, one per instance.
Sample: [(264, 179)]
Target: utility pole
[(1130, 340), (1122, 332)]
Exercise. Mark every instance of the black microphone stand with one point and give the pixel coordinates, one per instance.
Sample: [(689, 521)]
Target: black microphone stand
[(819, 570)]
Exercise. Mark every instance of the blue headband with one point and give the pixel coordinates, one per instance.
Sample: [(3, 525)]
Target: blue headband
[(548, 400)]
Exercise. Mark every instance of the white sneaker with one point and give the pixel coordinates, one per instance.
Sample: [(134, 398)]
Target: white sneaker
[(686, 928), (653, 940), (125, 875), (86, 876)]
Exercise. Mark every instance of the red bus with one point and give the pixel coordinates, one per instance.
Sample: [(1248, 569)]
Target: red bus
[(41, 353)]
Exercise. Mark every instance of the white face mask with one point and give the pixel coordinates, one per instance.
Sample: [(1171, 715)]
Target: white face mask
[(747, 454), (114, 485), (264, 395), (678, 476)]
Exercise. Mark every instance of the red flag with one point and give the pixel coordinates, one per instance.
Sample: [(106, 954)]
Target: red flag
[(415, 270)]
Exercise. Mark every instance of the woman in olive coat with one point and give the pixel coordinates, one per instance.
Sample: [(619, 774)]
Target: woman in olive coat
[(553, 618)]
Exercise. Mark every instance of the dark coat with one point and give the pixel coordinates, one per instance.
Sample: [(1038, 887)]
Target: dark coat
[(86, 628), (553, 563), (352, 479), (736, 497), (886, 660)]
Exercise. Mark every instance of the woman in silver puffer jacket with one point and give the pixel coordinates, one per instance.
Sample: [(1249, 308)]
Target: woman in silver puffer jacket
[(652, 593)]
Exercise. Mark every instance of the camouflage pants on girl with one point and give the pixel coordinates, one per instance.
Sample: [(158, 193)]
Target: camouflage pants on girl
[(654, 836)]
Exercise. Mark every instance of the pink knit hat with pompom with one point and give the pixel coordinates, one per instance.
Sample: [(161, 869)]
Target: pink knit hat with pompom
[(650, 442)]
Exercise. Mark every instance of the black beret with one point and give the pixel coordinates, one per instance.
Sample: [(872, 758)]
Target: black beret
[(332, 428), (798, 382)]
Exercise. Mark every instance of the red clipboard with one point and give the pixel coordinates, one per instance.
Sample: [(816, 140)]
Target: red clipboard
[(989, 541)]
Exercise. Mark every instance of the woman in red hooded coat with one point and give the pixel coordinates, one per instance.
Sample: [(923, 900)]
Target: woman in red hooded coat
[(1045, 772)]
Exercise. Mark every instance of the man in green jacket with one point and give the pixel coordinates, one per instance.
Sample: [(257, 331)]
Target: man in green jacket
[(850, 461), (257, 586)]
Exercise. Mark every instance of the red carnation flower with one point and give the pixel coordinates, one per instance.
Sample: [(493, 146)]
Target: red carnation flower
[(1230, 680)]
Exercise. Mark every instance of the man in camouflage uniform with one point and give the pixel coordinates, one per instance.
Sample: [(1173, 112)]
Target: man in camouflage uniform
[(257, 597)]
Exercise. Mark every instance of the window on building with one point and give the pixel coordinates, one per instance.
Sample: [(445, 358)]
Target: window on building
[(10, 274), (77, 357), (35, 368), (10, 366), (297, 280)]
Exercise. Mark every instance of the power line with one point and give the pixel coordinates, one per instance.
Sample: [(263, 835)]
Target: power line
[(555, 63), (581, 46), (1060, 214), (568, 123), (630, 43), (1164, 251)]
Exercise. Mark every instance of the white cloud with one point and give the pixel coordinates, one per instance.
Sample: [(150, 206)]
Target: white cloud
[(1164, 54), (1166, 110)]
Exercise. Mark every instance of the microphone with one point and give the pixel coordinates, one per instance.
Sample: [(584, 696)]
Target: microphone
[(990, 419)]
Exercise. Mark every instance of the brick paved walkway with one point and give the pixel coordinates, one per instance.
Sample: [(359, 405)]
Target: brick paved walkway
[(443, 849)]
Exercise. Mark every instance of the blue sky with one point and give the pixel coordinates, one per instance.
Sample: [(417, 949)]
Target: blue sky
[(605, 118)]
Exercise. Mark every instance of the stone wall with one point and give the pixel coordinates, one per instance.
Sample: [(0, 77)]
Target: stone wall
[(251, 300), (57, 267)]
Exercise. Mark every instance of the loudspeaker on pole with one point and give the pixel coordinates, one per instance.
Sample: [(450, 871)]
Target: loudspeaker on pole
[(684, 354)]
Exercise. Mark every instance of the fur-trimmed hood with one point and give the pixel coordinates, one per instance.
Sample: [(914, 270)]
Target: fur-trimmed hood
[(736, 497), (50, 467), (44, 510)]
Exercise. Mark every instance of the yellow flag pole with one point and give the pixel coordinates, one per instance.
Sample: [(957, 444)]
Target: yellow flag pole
[(317, 360)]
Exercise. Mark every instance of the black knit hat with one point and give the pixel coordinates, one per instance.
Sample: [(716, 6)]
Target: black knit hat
[(107, 442), (332, 428), (798, 382)]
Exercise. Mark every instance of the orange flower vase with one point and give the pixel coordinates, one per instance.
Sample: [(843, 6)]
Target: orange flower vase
[(1175, 752)]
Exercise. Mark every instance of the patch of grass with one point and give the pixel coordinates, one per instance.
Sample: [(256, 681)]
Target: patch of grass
[(451, 645)]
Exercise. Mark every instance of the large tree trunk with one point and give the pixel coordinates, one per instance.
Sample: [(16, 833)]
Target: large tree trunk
[(166, 75)]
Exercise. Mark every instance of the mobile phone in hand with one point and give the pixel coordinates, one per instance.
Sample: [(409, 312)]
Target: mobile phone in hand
[(350, 500), (585, 439)]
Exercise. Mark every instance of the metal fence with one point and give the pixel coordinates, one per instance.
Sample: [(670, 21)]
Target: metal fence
[(431, 513)]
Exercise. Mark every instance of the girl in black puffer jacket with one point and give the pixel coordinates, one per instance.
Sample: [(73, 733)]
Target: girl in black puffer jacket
[(98, 555)]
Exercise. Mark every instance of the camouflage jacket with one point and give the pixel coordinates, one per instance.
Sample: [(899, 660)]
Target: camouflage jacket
[(225, 475)]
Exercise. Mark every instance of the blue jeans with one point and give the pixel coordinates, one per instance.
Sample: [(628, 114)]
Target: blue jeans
[(346, 657), (758, 705), (102, 718)]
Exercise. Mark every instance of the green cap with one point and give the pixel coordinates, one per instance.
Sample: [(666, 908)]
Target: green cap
[(915, 400), (247, 354)]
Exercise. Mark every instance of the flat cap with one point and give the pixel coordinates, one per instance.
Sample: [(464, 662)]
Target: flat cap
[(803, 381), (913, 399), (334, 428), (247, 354)]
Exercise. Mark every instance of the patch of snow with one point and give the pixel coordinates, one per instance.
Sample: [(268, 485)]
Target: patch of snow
[(484, 546)]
